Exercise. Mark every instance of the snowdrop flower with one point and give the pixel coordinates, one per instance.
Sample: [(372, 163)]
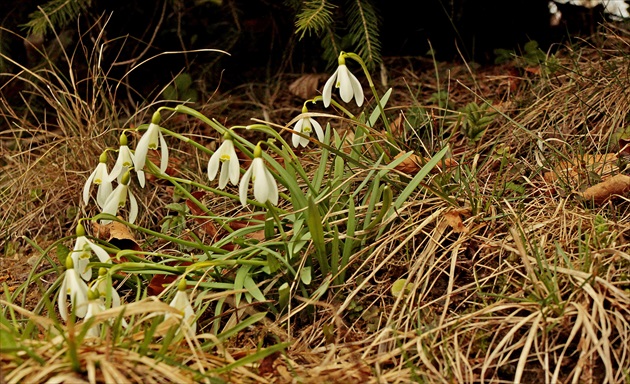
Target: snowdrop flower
[(150, 141), (74, 287), (305, 125), (265, 188), (82, 252), (118, 198), (182, 304), (94, 307), (104, 287), (347, 83), (124, 161), (99, 177), (226, 156)]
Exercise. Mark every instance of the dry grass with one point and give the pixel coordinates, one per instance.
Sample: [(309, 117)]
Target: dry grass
[(534, 288)]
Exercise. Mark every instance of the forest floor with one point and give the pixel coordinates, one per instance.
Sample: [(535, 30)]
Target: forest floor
[(509, 261)]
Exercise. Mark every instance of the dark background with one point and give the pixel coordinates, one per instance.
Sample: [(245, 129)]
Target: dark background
[(260, 36)]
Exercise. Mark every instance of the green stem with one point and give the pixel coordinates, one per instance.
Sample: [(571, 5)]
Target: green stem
[(191, 244), (390, 136)]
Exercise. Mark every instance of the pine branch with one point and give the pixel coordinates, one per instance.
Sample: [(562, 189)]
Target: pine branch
[(55, 14), (364, 31), (315, 16), (330, 44)]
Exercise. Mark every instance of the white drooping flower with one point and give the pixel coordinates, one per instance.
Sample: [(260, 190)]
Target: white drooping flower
[(305, 125), (152, 139), (347, 83), (124, 161), (226, 156), (94, 307), (104, 287), (182, 304), (118, 198), (265, 187), (74, 287), (99, 177), (82, 253)]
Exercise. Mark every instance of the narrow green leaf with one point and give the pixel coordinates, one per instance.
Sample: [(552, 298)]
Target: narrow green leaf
[(253, 289), (314, 222), (377, 112), (417, 179)]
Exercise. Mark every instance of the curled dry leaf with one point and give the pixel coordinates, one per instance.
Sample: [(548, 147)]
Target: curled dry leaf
[(616, 185), (604, 165), (116, 234), (454, 219), (412, 164), (306, 86)]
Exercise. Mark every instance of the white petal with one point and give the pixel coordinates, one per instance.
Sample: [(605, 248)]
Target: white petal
[(298, 128), (142, 148), (272, 187), (327, 92), (61, 298), (133, 210), (86, 188), (141, 178), (103, 192), (235, 170), (102, 254), (244, 186), (94, 307), (164, 154), (356, 88), (223, 178), (318, 129), (213, 164), (259, 180), (104, 287), (112, 203), (345, 86), (82, 266), (78, 292)]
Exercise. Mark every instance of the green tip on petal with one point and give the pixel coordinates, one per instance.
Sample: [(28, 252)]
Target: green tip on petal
[(102, 271), (126, 177), (257, 151), (103, 157), (123, 139), (156, 118), (181, 286), (69, 262), (93, 294)]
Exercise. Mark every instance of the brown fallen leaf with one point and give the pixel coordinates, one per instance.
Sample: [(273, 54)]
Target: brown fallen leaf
[(116, 234), (412, 164), (616, 185), (454, 219), (601, 164), (306, 86)]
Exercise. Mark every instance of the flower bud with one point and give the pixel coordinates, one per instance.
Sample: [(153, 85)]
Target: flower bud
[(156, 118)]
